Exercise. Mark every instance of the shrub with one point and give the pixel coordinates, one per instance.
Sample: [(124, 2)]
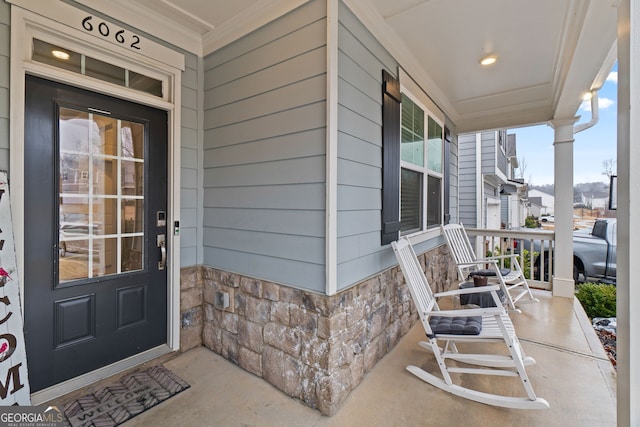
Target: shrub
[(531, 222), (598, 300), (526, 265), (524, 260)]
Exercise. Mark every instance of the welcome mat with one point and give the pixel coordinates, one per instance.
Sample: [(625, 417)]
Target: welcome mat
[(123, 400)]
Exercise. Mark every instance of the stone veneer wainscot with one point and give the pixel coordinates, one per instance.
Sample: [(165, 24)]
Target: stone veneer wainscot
[(313, 347)]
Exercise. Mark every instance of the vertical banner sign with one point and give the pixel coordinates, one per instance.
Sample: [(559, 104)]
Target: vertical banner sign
[(14, 382)]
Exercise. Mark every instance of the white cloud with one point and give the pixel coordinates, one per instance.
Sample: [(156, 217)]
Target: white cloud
[(602, 104), (613, 77)]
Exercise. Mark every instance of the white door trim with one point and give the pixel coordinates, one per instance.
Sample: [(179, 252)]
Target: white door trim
[(167, 66)]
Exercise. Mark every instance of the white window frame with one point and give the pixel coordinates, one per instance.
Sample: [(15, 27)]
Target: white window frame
[(425, 232), (58, 25)]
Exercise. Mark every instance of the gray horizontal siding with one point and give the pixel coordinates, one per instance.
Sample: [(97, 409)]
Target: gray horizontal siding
[(284, 246), (351, 271), (488, 149), (264, 152), (467, 178), (454, 182), (300, 93), (307, 223), (190, 227), (271, 124), (299, 274), (301, 170), (303, 196), (504, 209), (5, 52), (304, 66), (359, 150), (361, 60), (296, 145), (285, 25), (276, 51)]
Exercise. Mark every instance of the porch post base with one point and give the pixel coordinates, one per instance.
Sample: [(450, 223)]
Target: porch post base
[(565, 288)]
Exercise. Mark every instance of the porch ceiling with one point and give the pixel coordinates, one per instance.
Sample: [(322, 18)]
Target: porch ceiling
[(550, 52)]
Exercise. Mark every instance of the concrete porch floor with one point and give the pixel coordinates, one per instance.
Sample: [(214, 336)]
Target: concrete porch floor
[(572, 373)]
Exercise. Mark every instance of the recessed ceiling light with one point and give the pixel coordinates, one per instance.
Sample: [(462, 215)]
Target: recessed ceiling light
[(489, 60), (60, 54)]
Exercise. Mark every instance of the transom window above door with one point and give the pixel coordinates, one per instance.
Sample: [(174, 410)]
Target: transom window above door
[(69, 60)]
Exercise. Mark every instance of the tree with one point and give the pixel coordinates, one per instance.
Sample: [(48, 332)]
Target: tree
[(609, 168)]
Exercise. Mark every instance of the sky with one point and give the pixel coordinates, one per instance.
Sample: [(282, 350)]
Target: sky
[(591, 147)]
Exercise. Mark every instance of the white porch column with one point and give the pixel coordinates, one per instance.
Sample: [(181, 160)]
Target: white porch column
[(628, 266), (563, 284)]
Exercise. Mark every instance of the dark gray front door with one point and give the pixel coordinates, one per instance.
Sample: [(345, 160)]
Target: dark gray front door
[(95, 201)]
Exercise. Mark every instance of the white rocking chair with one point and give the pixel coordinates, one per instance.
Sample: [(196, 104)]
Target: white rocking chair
[(493, 323), (467, 263)]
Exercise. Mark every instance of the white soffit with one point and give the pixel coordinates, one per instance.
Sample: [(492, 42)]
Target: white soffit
[(197, 26), (549, 51)]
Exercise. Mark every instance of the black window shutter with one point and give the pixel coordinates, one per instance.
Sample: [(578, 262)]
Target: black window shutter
[(447, 174), (390, 158)]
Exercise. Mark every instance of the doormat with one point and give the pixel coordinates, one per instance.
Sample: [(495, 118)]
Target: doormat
[(123, 400)]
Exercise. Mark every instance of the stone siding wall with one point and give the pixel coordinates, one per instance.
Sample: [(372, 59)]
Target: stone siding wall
[(191, 308), (312, 347)]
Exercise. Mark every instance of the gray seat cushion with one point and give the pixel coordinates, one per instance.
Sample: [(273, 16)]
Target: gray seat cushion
[(463, 325), (489, 272)]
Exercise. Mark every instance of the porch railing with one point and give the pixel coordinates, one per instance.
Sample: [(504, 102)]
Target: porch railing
[(534, 248)]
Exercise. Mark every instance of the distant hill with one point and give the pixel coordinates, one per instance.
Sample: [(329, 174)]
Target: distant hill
[(591, 189)]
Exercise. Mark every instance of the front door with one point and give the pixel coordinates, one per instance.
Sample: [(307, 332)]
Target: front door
[(95, 227)]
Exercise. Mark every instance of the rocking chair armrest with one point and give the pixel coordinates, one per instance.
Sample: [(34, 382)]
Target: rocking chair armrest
[(478, 262), (467, 312), (473, 290), (489, 260), (497, 257)]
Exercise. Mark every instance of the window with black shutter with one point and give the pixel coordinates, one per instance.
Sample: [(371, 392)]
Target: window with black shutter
[(414, 165), (390, 158)]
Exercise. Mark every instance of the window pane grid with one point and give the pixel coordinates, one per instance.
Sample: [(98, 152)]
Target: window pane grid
[(50, 54), (434, 148), (421, 169), (412, 132), (410, 200), (101, 225)]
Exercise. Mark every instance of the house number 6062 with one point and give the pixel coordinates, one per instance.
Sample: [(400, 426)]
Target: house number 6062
[(104, 30)]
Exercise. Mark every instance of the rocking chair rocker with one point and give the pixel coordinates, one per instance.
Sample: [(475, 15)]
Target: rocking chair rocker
[(444, 328)]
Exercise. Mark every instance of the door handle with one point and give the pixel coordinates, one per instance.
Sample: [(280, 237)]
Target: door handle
[(160, 239)]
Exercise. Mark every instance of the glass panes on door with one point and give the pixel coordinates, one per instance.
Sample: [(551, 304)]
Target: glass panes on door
[(101, 202)]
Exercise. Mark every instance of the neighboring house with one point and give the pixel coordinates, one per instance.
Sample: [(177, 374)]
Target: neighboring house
[(535, 206), (488, 190), (547, 201), (593, 202), (599, 203), (251, 166), (514, 203)]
